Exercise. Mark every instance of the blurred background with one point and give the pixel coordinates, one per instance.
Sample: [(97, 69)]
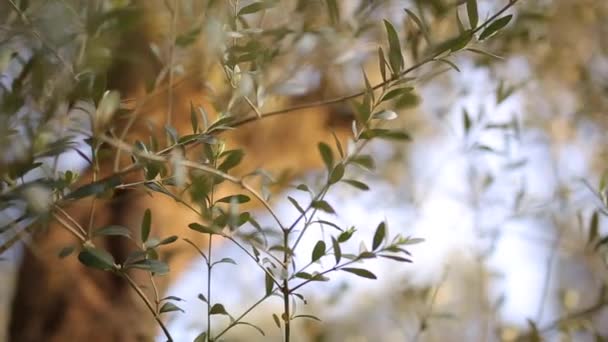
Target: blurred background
[(504, 177)]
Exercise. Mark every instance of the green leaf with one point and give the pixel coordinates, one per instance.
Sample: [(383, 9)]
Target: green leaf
[(407, 100), (193, 118), (384, 134), (225, 261), (204, 229), (268, 282), (396, 93), (396, 258), (155, 266), (96, 258), (345, 236), (323, 206), (420, 25), (495, 27), (233, 159), (296, 204), (338, 144), (337, 250), (594, 227), (337, 174), (472, 13), (327, 155), (357, 184), (314, 318), (360, 272), (113, 230), (318, 251), (169, 307), (256, 7), (145, 225), (382, 64), (237, 198), (276, 320), (448, 62), (395, 56), (379, 235), (466, 120), (95, 188), (218, 309), (364, 160)]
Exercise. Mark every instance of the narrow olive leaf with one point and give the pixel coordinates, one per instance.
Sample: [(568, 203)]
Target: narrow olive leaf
[(193, 118), (218, 309), (360, 272), (379, 235), (175, 298), (472, 13), (368, 87), (113, 230), (66, 251), (268, 282), (331, 224), (336, 174), (318, 251), (448, 62), (420, 25), (203, 229), (323, 206), (225, 261), (334, 11), (407, 100), (345, 236), (394, 257), (95, 188), (357, 184), (495, 27), (155, 266), (485, 53), (466, 118), (96, 258), (337, 250), (202, 297), (145, 225), (327, 155), (237, 198), (382, 64), (276, 320), (315, 318), (338, 144), (233, 159), (364, 160), (168, 240), (459, 22), (296, 204), (255, 7), (396, 93), (384, 134), (594, 227), (251, 325), (395, 57), (169, 307)]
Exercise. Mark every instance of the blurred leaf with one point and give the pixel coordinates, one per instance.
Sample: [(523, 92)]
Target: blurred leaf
[(113, 230), (395, 56), (334, 11), (145, 225), (379, 235), (336, 174), (472, 13), (360, 272), (323, 206), (327, 155), (169, 307), (96, 258), (337, 250), (357, 184), (218, 309), (237, 198), (155, 266), (495, 27), (318, 251), (256, 7)]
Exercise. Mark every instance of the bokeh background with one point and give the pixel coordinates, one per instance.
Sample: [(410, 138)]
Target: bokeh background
[(503, 179)]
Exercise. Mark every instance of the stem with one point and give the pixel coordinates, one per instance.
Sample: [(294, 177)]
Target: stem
[(209, 267), (145, 299), (285, 288)]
